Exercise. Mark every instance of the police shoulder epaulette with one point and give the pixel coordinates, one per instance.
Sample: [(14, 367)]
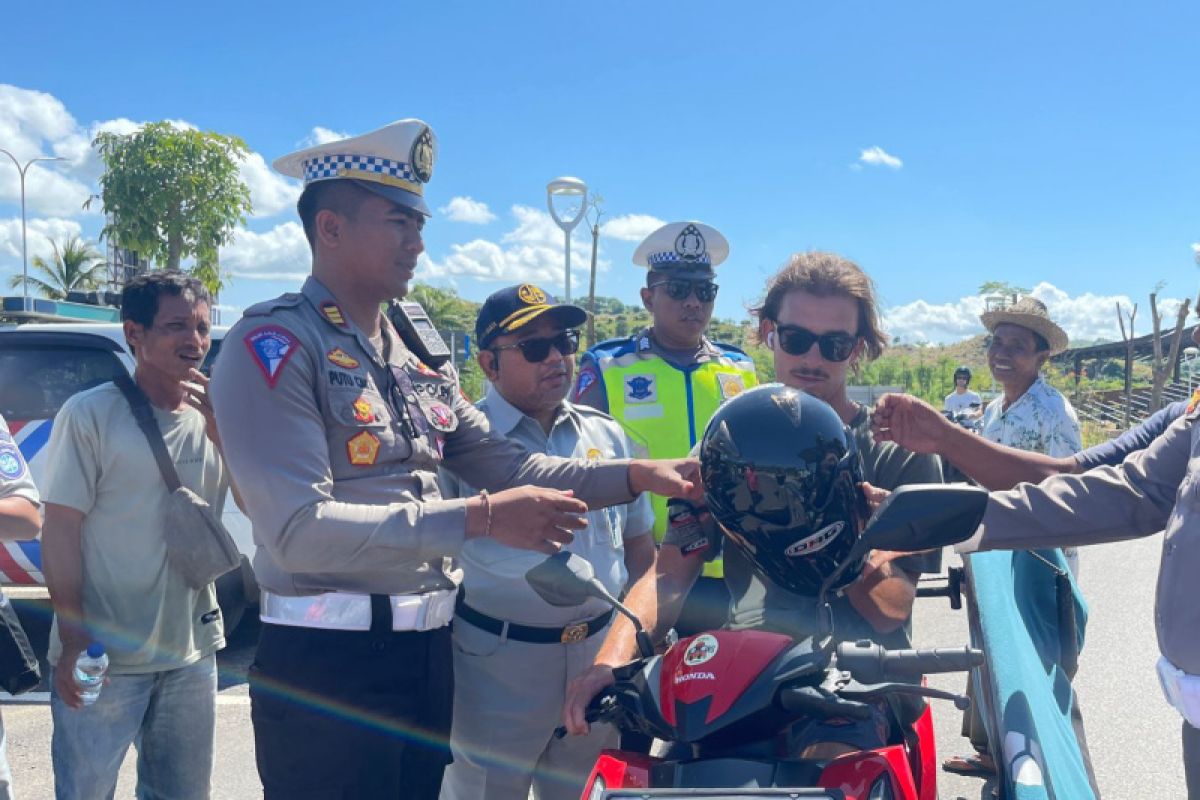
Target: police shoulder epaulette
[(288, 300), (615, 347), (727, 348)]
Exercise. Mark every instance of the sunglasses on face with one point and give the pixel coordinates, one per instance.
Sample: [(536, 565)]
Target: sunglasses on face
[(796, 341), (537, 350), (678, 289)]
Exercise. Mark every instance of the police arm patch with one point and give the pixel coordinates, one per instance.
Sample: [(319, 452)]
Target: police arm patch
[(272, 347), (587, 378), (12, 466)]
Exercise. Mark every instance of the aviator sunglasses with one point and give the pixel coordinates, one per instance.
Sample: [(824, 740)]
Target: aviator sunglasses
[(678, 289), (796, 341), (537, 350)]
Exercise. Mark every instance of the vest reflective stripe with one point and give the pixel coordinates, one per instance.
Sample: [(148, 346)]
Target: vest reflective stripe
[(664, 409)]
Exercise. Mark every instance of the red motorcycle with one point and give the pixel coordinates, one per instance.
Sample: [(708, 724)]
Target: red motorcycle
[(726, 698)]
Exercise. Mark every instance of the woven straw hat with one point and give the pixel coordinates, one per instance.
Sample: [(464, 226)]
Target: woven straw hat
[(1031, 313)]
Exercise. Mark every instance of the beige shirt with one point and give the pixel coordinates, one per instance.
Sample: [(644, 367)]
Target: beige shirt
[(1152, 488), (98, 462), (335, 449)]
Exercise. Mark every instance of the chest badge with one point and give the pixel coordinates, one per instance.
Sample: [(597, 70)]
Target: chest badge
[(362, 449), (593, 455), (342, 359), (730, 385), (640, 389), (441, 417), (363, 411)]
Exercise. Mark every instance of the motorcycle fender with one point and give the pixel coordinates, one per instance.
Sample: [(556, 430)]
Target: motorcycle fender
[(855, 773), (621, 770)]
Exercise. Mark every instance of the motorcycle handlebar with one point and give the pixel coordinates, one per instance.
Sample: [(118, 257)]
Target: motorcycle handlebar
[(871, 663)]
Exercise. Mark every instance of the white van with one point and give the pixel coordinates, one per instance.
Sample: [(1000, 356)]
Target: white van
[(43, 364)]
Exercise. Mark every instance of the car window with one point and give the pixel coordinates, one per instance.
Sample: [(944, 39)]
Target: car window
[(35, 380)]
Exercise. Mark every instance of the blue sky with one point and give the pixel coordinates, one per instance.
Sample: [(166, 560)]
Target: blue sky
[(940, 145)]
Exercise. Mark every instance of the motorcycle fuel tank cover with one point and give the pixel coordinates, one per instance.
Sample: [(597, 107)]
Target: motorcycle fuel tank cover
[(720, 665)]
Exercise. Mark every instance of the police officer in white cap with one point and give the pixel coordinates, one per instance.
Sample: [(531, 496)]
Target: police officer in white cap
[(334, 431), (663, 383), (514, 653)]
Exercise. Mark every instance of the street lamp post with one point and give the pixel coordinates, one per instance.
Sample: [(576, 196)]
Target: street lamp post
[(24, 243), (571, 197)]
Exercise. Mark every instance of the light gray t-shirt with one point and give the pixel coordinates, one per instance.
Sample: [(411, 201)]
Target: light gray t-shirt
[(99, 463)]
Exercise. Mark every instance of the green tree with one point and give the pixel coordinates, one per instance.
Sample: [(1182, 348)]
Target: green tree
[(445, 308), (171, 194), (74, 267)]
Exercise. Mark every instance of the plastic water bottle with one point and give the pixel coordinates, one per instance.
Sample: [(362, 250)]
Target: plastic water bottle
[(90, 670)]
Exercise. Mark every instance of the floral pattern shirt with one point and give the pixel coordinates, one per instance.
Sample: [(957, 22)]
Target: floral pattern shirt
[(1041, 420)]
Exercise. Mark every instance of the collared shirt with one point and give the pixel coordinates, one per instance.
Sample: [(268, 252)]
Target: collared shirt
[(494, 573), (335, 448), (956, 402), (1041, 421), (1155, 487)]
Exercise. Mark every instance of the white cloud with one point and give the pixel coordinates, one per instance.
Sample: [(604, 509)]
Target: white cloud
[(1084, 317), (320, 135), (270, 192), (878, 157), (282, 253), (631, 227), (464, 209), (532, 251), (40, 233)]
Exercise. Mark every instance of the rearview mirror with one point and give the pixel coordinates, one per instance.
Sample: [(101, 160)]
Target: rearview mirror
[(563, 579), (923, 517)]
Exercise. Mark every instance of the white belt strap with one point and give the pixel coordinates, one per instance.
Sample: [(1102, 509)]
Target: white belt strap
[(352, 612), (1181, 690)]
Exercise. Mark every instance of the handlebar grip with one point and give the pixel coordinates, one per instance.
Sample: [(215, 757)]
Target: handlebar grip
[(810, 701), (870, 663)]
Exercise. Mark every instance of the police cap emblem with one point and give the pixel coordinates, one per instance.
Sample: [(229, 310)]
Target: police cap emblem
[(689, 244), (531, 295), (421, 157)]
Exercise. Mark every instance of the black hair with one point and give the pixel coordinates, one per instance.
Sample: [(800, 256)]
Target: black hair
[(139, 298), (344, 197)]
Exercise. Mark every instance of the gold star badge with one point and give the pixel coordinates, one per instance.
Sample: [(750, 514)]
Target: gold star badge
[(362, 449)]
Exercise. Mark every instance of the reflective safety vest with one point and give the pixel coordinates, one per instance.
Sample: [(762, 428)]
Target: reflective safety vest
[(664, 408)]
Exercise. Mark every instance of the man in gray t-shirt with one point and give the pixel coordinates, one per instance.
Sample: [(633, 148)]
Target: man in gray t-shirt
[(106, 561)]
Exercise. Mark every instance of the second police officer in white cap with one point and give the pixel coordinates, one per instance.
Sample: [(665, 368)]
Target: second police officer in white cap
[(334, 432), (664, 382)]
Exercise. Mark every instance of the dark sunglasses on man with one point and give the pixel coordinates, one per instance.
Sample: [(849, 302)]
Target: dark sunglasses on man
[(537, 350), (796, 341), (678, 289)]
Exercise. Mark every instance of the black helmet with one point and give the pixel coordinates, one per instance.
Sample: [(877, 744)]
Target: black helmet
[(962, 372), (780, 475)]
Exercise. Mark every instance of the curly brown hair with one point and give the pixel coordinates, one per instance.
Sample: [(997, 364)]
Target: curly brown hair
[(827, 275)]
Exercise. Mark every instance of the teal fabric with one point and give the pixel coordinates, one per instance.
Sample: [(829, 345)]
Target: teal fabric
[(1027, 705)]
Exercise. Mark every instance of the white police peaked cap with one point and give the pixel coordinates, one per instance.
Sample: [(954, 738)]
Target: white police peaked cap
[(690, 247), (395, 162)]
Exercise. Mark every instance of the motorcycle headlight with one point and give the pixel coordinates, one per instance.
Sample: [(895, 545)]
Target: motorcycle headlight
[(598, 787)]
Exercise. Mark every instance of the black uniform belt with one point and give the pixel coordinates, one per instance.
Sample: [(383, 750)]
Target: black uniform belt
[(537, 634)]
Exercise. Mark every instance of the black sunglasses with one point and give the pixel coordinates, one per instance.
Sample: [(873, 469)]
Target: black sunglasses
[(796, 341), (537, 350), (678, 289)]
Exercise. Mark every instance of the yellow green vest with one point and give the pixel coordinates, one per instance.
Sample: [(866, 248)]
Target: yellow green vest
[(664, 408)]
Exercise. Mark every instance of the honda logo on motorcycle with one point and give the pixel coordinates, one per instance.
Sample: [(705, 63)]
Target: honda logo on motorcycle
[(694, 676), (702, 649), (811, 544)]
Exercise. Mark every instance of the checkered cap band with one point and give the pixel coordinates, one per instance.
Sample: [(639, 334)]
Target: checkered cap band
[(673, 258), (336, 166)]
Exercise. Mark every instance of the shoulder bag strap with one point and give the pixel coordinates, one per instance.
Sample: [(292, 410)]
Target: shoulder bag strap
[(140, 405)]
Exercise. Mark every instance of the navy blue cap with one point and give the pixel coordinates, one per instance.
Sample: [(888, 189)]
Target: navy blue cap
[(511, 309)]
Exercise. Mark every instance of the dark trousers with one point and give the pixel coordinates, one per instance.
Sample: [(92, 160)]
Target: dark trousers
[(1191, 760), (349, 714)]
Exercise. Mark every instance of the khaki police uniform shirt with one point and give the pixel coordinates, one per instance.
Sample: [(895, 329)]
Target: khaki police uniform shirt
[(335, 449), (494, 573), (1153, 487)]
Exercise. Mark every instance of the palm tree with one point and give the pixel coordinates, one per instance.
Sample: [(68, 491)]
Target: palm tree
[(74, 268)]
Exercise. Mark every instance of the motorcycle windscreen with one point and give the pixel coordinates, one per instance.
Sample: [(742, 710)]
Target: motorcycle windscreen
[(1023, 625)]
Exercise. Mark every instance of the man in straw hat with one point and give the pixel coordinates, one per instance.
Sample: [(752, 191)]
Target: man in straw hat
[(335, 430)]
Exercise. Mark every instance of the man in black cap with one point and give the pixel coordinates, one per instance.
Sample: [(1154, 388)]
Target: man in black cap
[(515, 653)]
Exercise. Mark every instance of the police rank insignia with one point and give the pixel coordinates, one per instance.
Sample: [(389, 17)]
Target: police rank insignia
[(342, 359), (441, 417), (333, 312), (362, 410), (731, 385), (689, 244), (12, 466), (421, 156), (271, 347), (531, 295), (362, 449)]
